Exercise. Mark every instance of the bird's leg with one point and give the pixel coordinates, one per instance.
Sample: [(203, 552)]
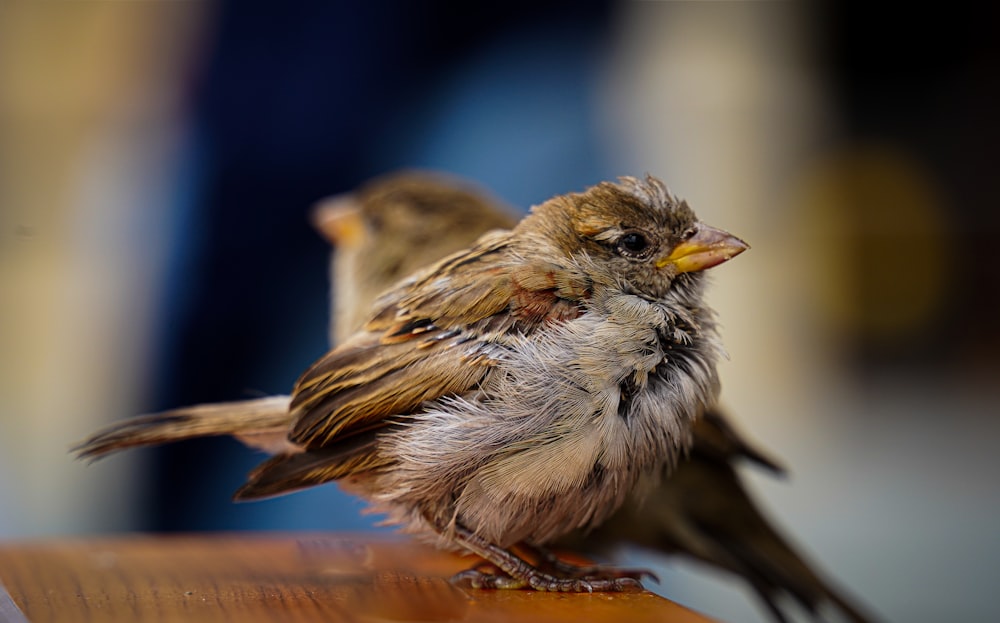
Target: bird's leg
[(521, 574), (553, 563)]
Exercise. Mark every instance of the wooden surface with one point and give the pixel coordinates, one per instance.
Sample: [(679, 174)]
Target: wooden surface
[(250, 578)]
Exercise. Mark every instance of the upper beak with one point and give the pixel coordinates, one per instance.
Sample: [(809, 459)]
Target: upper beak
[(339, 220), (708, 247)]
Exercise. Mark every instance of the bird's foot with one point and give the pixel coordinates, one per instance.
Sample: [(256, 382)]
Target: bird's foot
[(550, 562), (513, 572), (540, 581), (613, 573)]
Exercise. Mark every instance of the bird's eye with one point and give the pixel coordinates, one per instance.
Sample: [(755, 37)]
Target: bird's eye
[(633, 244)]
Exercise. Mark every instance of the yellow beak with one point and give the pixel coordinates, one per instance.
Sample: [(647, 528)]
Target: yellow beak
[(708, 247)]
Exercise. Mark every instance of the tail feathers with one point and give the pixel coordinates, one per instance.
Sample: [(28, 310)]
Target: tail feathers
[(747, 543), (778, 570), (703, 511), (717, 439), (290, 472), (260, 423)]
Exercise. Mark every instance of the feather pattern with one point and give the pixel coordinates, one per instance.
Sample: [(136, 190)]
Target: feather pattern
[(432, 337), (529, 438), (260, 423)]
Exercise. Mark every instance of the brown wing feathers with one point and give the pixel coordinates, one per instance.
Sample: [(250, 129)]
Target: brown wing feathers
[(332, 401), (290, 472), (431, 338), (341, 410), (410, 355)]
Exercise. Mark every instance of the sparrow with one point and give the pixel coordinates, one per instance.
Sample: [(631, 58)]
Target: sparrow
[(507, 395), (701, 510), (392, 226)]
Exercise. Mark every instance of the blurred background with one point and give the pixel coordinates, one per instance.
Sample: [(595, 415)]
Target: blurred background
[(158, 161)]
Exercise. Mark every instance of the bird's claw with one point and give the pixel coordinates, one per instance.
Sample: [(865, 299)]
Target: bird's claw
[(557, 566), (615, 581)]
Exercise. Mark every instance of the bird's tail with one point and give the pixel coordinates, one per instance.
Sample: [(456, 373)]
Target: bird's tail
[(260, 423)]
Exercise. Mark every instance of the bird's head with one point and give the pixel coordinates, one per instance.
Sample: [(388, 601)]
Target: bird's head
[(634, 234)]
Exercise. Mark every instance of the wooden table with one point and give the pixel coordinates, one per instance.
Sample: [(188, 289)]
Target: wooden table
[(274, 577)]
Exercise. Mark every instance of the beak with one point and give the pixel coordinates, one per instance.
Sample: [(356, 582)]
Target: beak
[(708, 247), (339, 220)]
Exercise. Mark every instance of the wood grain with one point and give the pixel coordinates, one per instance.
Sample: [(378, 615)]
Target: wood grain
[(250, 578)]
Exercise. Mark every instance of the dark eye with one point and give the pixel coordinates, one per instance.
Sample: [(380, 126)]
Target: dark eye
[(633, 244)]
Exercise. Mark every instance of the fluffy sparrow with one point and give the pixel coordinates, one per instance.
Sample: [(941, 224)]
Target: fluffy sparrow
[(509, 394), (701, 510)]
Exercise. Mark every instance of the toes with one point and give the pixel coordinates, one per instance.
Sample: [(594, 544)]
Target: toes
[(474, 578), (628, 585), (634, 574), (543, 582), (604, 581), (470, 578), (548, 583)]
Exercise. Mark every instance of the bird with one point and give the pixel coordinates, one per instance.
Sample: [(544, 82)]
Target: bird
[(700, 511), (507, 395), (392, 226)]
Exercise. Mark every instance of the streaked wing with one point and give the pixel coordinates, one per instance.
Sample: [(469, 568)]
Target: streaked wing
[(354, 389), (432, 336)]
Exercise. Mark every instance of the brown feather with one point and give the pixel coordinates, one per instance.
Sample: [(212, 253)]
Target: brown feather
[(289, 472), (408, 356), (328, 410), (257, 423)]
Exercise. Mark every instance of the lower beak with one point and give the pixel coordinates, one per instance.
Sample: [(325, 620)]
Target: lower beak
[(708, 247)]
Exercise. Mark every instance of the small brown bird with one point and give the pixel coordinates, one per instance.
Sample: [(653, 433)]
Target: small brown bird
[(509, 394), (393, 226), (701, 510)]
